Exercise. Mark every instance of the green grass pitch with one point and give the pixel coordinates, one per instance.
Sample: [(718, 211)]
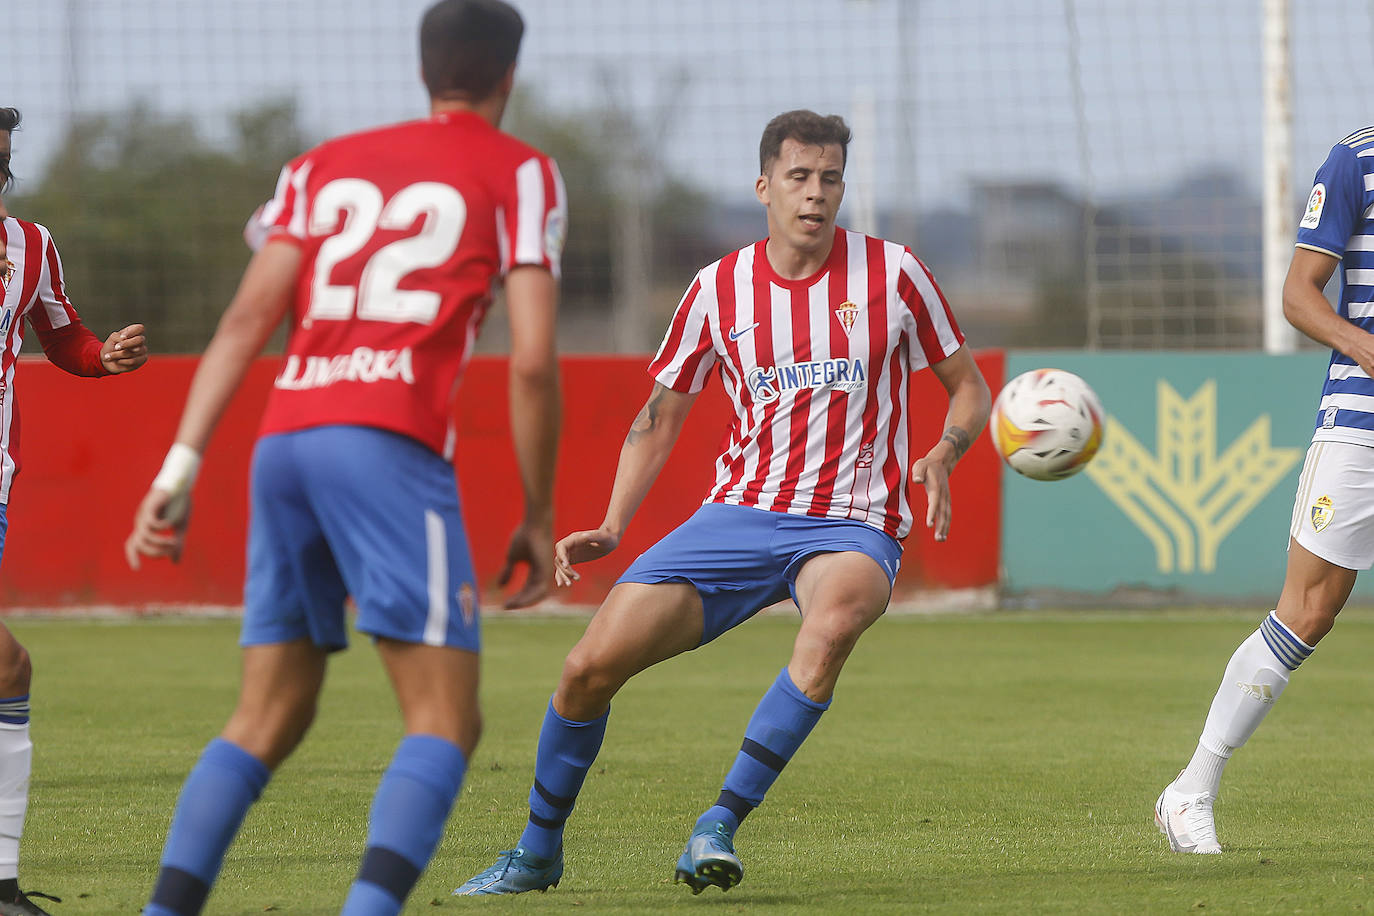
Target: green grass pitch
[(1005, 763)]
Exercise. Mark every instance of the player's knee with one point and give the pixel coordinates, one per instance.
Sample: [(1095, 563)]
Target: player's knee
[(587, 679), (843, 622), (272, 733)]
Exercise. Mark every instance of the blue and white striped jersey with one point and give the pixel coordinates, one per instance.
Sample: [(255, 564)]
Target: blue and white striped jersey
[(1339, 221)]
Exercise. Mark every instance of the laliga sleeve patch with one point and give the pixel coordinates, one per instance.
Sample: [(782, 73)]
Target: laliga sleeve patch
[(1313, 214), (555, 234)]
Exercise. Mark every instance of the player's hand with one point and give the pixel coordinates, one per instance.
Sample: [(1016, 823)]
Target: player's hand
[(159, 528), (579, 547), (530, 544), (934, 475), (124, 351)]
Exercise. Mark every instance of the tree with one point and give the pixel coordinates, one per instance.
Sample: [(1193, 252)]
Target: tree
[(148, 216), (583, 145)]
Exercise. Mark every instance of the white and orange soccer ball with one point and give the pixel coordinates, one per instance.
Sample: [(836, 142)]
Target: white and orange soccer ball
[(1047, 424)]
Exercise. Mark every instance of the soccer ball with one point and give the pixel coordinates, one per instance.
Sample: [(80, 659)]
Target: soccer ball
[(1047, 424)]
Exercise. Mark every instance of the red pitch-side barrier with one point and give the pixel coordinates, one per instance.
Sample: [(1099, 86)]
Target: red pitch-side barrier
[(90, 448)]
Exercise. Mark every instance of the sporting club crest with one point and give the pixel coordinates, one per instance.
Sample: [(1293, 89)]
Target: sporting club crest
[(848, 313), (1321, 513), (467, 601)]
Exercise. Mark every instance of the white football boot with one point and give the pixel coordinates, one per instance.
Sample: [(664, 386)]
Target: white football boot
[(1187, 821)]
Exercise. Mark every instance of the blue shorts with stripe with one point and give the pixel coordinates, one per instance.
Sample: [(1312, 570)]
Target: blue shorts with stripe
[(342, 511), (741, 559)]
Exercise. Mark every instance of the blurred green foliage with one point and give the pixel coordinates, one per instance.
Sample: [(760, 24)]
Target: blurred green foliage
[(148, 215)]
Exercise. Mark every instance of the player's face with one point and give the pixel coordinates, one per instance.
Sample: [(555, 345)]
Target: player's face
[(802, 192)]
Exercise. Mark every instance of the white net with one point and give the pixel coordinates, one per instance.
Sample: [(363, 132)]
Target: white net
[(1075, 172)]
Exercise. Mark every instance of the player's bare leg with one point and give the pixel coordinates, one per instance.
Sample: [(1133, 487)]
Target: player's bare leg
[(277, 699), (436, 687), (637, 626), (16, 760), (1314, 591), (276, 705), (16, 670), (840, 595)]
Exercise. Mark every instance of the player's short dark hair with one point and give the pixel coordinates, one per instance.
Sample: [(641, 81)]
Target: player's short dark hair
[(9, 121), (467, 46), (805, 127)]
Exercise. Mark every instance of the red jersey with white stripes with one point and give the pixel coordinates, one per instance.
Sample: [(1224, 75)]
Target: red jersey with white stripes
[(404, 230), (33, 289), (817, 372)]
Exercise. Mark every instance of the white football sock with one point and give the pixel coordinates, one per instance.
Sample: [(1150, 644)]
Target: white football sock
[(1254, 680), (1203, 773), (16, 757)]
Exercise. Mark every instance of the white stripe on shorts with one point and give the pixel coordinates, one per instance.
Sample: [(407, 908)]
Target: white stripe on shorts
[(1309, 470), (436, 550)]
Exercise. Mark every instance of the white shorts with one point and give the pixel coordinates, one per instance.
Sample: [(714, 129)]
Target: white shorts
[(1333, 515)]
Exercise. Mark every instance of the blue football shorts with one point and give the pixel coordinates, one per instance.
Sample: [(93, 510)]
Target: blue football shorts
[(741, 559), (4, 526), (342, 511)]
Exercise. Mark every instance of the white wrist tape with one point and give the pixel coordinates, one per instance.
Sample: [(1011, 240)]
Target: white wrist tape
[(179, 470)]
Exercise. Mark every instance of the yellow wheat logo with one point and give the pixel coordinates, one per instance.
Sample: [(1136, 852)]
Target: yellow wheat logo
[(1187, 498)]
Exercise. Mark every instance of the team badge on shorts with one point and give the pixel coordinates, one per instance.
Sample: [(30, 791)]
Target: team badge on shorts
[(467, 601), (1321, 513)]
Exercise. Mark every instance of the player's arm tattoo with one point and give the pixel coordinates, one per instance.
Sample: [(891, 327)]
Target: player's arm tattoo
[(958, 438), (647, 421)]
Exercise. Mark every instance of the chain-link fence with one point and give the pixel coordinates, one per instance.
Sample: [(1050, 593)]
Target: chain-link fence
[(1076, 172)]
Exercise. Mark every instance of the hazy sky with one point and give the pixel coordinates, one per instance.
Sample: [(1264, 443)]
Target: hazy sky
[(1112, 96)]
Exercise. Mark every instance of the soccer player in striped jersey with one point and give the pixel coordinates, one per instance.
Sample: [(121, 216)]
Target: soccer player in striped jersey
[(814, 332), (383, 246), (32, 289), (1331, 536)]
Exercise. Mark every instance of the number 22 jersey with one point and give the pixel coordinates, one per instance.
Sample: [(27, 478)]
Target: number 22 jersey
[(404, 231)]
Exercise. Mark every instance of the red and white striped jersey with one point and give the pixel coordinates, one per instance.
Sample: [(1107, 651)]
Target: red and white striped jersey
[(817, 370), (404, 230), (34, 289)]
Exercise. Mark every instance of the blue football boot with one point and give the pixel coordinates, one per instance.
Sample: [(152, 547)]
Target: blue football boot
[(516, 871), (709, 859)]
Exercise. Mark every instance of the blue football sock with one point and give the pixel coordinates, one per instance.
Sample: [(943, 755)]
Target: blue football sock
[(222, 786), (783, 719), (566, 752), (408, 815)]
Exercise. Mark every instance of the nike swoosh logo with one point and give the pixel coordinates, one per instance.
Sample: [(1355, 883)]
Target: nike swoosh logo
[(740, 332)]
